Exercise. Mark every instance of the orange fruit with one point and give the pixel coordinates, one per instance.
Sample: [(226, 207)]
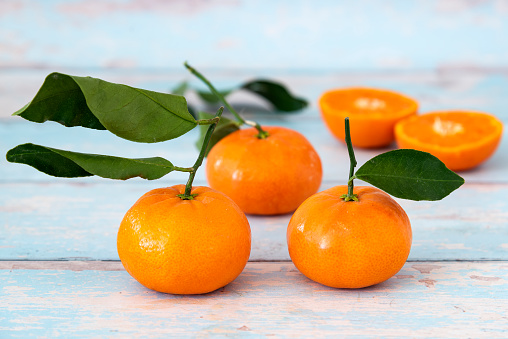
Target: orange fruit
[(460, 139), (373, 114), (265, 176), (184, 246), (350, 244)]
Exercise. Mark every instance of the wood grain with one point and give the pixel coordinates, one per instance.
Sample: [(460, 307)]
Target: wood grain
[(74, 221), (431, 299)]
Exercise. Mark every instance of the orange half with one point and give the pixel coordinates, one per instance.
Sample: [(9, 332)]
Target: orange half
[(372, 113), (460, 139)]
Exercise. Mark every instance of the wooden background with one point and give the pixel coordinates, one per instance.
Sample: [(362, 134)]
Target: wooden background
[(60, 274)]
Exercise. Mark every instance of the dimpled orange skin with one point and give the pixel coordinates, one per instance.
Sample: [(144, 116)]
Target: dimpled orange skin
[(265, 176), (475, 143), (370, 128), (349, 244), (180, 246)]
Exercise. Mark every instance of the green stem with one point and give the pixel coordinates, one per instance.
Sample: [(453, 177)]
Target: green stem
[(207, 121), (188, 187), (262, 133), (352, 160), (183, 169)]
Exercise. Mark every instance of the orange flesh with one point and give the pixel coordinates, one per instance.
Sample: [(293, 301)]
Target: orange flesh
[(372, 113), (462, 140), (370, 102), (475, 127)]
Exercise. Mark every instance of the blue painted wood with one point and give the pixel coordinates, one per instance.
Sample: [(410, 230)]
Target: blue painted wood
[(267, 299), (182, 151), (53, 221), (473, 89), (286, 34)]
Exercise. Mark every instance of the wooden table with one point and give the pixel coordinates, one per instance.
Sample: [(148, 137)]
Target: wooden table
[(61, 276)]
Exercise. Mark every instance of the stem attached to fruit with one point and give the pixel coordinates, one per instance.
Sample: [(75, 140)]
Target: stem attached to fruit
[(350, 186), (262, 133), (188, 187)]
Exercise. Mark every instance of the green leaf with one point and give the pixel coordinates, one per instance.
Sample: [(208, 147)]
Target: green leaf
[(60, 163), (130, 113), (210, 98), (276, 94), (181, 88), (410, 174), (224, 127)]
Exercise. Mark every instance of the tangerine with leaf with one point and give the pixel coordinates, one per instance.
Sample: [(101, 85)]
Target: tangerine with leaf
[(266, 170), (354, 237), (180, 239)]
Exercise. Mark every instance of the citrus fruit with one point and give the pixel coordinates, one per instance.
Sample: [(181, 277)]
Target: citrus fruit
[(265, 176), (372, 112), (350, 244), (181, 246), (460, 139)]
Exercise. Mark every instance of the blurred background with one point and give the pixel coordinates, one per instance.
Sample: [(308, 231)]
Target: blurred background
[(145, 42), (327, 35)]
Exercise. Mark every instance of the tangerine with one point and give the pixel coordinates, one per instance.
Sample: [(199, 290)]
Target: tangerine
[(373, 114), (265, 176), (181, 246), (460, 139), (350, 244)]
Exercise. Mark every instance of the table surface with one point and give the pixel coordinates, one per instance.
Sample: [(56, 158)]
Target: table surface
[(61, 276)]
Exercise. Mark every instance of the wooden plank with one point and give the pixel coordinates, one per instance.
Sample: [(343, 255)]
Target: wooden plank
[(182, 151), (428, 299), (441, 89), (51, 221), (296, 34)]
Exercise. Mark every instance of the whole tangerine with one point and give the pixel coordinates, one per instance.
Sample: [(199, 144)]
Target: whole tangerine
[(351, 244), (266, 176), (179, 246), (373, 114)]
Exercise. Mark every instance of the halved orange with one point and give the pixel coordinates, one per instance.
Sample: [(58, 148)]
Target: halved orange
[(460, 139), (372, 113)]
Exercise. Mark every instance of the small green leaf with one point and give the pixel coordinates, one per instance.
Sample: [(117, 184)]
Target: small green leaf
[(181, 88), (210, 98), (276, 94), (223, 128), (410, 174), (60, 163), (130, 113)]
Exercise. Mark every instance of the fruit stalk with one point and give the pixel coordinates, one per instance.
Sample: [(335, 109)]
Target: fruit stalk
[(350, 185), (261, 135), (188, 187)]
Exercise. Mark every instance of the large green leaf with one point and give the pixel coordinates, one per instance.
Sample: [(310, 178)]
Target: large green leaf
[(130, 113), (410, 174), (276, 94), (223, 128), (60, 163)]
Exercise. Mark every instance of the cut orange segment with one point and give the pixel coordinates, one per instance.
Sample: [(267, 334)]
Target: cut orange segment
[(373, 114), (460, 139)]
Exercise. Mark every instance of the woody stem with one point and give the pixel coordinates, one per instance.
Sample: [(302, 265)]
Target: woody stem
[(262, 133), (350, 185), (188, 187)]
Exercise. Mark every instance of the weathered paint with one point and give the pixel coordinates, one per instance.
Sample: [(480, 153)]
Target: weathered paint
[(442, 89), (182, 151), (68, 221), (298, 34), (97, 299)]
